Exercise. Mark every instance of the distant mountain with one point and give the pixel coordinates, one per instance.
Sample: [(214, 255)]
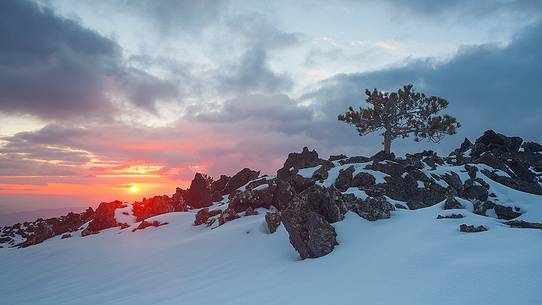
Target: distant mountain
[(419, 229)]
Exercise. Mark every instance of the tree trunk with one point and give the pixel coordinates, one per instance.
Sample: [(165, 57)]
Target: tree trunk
[(387, 142)]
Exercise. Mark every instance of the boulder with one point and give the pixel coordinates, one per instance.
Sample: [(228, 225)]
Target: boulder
[(450, 216), (344, 180), (381, 156), (309, 233), (452, 203), (363, 179), (373, 208), (104, 217), (532, 147), (203, 215), (241, 178), (158, 205), (471, 228), (199, 193), (524, 224), (255, 198), (284, 193), (507, 213), (145, 224), (477, 192), (220, 184), (227, 215), (273, 221), (337, 157), (297, 161), (492, 140), (327, 202)]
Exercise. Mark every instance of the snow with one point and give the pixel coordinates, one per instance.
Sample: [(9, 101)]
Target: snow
[(411, 258), (420, 184), (309, 171), (125, 215), (499, 172), (356, 192), (261, 187)]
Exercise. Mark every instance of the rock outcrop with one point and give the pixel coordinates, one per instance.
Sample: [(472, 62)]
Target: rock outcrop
[(199, 193), (158, 205), (471, 228), (104, 217), (309, 194)]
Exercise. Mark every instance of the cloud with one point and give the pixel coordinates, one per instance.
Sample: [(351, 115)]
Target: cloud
[(488, 86), (251, 74), (54, 68), (467, 8)]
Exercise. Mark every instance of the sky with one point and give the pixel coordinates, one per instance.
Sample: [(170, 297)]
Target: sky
[(100, 96)]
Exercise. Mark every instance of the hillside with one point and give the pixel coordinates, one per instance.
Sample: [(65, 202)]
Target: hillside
[(419, 229)]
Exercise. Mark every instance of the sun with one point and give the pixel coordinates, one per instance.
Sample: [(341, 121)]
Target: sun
[(134, 189)]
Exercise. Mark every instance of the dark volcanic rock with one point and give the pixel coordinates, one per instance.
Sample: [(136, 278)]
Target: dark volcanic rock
[(41, 230), (337, 157), (299, 160), (307, 220), (241, 178), (199, 193), (327, 202), (452, 203), (524, 224), (363, 179), (381, 156), (373, 208), (145, 224), (273, 221), (203, 215), (504, 212), (532, 147), (228, 214), (451, 216), (254, 199), (250, 212), (104, 217), (493, 140), (477, 192), (284, 193), (344, 180), (310, 234), (64, 236), (471, 228), (220, 184), (158, 205)]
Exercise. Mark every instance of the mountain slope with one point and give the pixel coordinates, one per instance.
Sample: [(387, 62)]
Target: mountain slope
[(411, 258), (423, 229)]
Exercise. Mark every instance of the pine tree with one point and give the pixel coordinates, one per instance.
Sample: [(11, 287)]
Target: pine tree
[(400, 114)]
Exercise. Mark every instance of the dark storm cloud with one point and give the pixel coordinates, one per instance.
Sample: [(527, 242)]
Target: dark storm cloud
[(466, 8), (487, 86), (264, 112), (170, 16), (53, 68), (251, 74)]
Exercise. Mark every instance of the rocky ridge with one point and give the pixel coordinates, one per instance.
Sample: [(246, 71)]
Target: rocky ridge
[(309, 194)]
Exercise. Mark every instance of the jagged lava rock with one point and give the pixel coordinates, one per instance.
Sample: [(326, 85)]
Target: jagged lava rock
[(199, 193), (104, 217), (273, 221), (241, 178)]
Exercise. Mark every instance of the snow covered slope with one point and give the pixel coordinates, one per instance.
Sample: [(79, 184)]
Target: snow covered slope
[(421, 230), (411, 258)]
